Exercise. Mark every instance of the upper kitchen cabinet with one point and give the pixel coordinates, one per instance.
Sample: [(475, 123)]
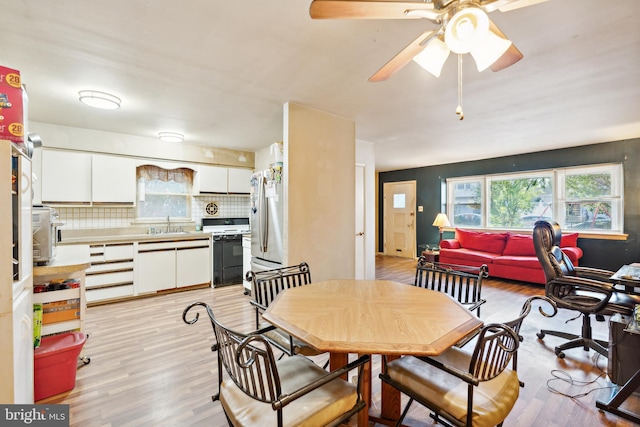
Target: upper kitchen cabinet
[(239, 180), (66, 177), (113, 179), (212, 179), (78, 178), (216, 179)]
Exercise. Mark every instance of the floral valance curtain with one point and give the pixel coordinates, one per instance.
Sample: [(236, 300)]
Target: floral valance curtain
[(150, 172)]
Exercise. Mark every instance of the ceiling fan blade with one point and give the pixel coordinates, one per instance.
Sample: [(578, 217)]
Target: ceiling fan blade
[(510, 57), (361, 9), (403, 58)]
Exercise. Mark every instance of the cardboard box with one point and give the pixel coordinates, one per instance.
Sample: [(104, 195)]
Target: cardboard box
[(11, 105), (60, 311)]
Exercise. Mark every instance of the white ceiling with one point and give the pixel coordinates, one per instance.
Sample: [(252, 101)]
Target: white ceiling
[(220, 71)]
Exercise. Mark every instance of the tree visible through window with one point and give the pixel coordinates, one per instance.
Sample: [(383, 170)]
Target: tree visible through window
[(581, 198)]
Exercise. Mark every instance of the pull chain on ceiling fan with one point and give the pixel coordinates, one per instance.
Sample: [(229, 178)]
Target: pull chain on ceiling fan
[(464, 28)]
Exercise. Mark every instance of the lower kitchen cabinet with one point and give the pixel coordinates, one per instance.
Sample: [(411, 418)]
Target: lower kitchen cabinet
[(156, 270), (193, 266), (172, 264), (110, 276)]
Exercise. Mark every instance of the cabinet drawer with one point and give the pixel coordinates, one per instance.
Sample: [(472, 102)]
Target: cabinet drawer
[(102, 279), (104, 294), (173, 244), (106, 267), (116, 252)]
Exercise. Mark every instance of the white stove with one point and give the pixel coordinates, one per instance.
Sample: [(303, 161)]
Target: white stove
[(226, 226)]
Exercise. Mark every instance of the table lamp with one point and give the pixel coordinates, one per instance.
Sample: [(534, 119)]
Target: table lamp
[(441, 221)]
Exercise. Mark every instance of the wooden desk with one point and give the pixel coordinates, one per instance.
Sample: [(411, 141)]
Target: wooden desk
[(372, 317), (628, 276)]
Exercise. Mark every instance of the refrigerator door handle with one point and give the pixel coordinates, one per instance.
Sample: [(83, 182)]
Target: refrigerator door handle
[(264, 215)]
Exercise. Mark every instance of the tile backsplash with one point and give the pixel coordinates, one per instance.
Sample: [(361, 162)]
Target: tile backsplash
[(75, 218)]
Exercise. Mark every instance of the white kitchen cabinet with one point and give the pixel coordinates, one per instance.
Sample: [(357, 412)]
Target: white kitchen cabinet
[(161, 265), (113, 179), (239, 180), (111, 274), (16, 279), (66, 177), (155, 270), (212, 179), (193, 266)]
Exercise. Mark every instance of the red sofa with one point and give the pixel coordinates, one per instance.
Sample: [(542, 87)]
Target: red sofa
[(508, 255)]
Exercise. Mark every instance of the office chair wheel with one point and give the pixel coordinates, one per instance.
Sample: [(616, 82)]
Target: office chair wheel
[(540, 335), (560, 354)]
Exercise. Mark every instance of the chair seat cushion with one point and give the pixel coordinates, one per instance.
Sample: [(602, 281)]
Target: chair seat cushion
[(316, 408), (492, 400)]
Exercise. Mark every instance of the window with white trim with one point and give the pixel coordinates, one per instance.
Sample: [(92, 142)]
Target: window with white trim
[(163, 193), (587, 198)]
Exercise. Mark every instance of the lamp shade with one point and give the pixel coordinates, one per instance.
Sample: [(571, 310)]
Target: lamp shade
[(441, 220), (466, 30), (433, 57), (490, 50)]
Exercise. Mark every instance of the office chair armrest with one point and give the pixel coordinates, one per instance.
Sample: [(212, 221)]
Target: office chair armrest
[(594, 273), (581, 284), (330, 376)]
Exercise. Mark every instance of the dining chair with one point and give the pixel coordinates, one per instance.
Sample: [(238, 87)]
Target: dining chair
[(265, 286), (261, 390), (583, 289), (463, 283), (464, 388)]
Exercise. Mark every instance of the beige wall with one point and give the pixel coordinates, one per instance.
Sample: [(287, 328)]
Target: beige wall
[(319, 209)]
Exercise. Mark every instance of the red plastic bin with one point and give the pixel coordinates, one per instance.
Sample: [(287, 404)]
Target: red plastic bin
[(55, 364)]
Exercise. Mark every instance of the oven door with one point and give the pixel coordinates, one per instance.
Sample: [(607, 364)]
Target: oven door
[(227, 260)]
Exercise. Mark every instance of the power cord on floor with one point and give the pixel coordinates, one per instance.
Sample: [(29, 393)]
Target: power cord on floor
[(560, 375)]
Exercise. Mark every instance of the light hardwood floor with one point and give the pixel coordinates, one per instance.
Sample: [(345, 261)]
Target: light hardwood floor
[(148, 368)]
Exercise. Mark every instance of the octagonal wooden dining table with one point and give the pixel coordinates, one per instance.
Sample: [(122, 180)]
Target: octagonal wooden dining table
[(372, 317)]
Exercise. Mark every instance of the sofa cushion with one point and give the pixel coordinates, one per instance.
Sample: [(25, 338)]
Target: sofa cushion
[(520, 261), (481, 241), (519, 245), (569, 240), (465, 256)]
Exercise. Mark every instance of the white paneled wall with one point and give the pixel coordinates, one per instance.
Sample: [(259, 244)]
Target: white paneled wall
[(75, 218)]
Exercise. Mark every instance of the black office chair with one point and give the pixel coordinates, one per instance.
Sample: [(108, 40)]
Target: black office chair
[(583, 289)]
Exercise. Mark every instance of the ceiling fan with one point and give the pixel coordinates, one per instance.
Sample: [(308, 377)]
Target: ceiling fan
[(464, 28)]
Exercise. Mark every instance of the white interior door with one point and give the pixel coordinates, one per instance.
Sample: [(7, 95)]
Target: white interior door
[(361, 237), (399, 219)]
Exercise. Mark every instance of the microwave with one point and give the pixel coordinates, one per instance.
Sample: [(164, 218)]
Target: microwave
[(45, 225)]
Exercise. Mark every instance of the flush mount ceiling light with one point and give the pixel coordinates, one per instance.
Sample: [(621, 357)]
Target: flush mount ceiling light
[(96, 99), (171, 136)]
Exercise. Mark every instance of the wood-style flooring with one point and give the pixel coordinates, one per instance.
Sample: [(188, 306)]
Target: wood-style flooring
[(148, 368)]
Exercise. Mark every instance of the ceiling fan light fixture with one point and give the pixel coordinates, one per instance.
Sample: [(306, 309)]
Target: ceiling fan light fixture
[(490, 50), (466, 30), (433, 57), (170, 136), (97, 99)]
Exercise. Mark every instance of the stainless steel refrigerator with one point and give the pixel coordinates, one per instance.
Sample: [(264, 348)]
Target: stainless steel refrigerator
[(266, 219)]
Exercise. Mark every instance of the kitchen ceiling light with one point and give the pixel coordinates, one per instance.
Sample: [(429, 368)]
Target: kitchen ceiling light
[(171, 137), (98, 99)]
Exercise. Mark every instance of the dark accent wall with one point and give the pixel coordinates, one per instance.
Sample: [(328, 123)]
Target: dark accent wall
[(600, 253)]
